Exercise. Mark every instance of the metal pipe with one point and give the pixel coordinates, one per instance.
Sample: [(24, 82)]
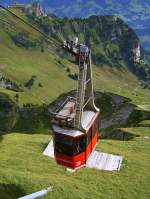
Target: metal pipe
[(37, 194)]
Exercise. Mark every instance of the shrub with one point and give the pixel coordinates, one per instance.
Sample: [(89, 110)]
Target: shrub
[(22, 39), (8, 113), (30, 82), (73, 76)]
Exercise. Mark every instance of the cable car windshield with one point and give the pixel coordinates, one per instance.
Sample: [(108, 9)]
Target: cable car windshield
[(63, 144), (69, 146)]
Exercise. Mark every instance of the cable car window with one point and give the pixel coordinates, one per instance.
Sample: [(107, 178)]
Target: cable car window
[(95, 127), (64, 139), (63, 144), (63, 149), (89, 136), (79, 145)]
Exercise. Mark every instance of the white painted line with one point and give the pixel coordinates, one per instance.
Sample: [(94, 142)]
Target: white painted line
[(104, 161), (49, 151)]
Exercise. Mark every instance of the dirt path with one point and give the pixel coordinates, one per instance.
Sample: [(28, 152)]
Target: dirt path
[(144, 107)]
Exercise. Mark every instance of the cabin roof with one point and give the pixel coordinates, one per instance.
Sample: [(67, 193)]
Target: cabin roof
[(67, 111), (86, 120)]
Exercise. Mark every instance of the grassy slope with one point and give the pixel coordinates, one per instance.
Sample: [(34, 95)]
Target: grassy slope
[(23, 168), (20, 64), (30, 171)]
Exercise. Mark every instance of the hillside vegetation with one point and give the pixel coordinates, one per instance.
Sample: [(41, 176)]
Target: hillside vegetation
[(111, 40), (134, 12), (47, 64), (34, 72), (21, 63)]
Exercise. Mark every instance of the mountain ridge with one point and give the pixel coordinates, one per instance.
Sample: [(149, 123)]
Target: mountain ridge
[(33, 74), (134, 12), (112, 41), (23, 39)]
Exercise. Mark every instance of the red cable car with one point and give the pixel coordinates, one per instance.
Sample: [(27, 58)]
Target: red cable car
[(76, 121), (72, 147)]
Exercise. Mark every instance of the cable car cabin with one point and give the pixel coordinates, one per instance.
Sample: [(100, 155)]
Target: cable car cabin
[(72, 147), (75, 124)]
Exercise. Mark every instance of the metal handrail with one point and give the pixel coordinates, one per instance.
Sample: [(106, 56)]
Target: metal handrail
[(65, 117), (55, 113)]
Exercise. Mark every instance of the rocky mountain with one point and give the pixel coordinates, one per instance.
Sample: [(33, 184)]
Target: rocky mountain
[(134, 12), (112, 41)]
